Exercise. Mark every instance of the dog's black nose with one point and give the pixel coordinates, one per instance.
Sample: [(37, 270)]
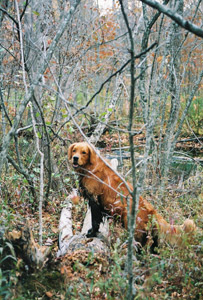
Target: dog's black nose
[(75, 158)]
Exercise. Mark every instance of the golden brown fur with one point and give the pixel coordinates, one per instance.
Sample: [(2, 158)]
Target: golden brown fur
[(102, 183)]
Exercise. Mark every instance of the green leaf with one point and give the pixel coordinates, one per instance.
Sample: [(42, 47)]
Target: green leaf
[(39, 135), (37, 170), (8, 256), (70, 129), (36, 13), (66, 180), (10, 246)]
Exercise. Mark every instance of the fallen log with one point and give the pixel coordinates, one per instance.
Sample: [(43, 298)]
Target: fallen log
[(69, 243)]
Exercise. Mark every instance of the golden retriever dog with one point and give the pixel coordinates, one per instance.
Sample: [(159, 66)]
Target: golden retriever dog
[(107, 194)]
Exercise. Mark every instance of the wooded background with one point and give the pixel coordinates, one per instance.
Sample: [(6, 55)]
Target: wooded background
[(127, 73)]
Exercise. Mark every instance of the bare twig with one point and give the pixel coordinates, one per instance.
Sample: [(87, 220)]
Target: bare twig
[(9, 15), (34, 128), (135, 197), (175, 17), (41, 193), (48, 148)]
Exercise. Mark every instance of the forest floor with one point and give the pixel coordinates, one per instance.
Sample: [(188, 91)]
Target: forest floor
[(175, 273)]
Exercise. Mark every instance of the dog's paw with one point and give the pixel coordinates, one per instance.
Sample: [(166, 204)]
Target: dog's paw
[(91, 233)]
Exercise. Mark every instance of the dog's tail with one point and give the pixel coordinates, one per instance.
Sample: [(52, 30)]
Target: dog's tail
[(175, 234)]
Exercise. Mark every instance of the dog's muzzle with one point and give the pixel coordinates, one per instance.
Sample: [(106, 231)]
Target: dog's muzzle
[(75, 161)]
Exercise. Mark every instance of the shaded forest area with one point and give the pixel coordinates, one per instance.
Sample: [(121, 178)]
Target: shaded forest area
[(127, 77)]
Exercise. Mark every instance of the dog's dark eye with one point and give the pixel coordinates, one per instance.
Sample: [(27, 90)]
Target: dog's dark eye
[(74, 150), (83, 152)]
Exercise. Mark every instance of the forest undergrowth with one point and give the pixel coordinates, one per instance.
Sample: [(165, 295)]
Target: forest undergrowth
[(174, 273)]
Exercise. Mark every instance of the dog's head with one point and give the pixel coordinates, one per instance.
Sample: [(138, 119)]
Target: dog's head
[(81, 154)]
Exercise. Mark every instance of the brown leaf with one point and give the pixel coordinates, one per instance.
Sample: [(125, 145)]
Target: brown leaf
[(62, 270), (49, 294), (75, 199), (54, 229)]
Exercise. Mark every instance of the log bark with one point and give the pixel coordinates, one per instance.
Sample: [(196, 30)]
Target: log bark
[(69, 243)]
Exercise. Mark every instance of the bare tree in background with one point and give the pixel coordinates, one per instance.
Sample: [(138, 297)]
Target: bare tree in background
[(164, 82)]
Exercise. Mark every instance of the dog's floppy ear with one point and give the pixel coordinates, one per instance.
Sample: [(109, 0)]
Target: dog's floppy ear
[(92, 155), (70, 151)]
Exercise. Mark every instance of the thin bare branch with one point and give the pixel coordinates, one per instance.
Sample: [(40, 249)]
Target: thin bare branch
[(175, 17)]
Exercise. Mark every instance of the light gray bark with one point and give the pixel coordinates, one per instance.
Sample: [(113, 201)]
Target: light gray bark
[(175, 16), (101, 126), (69, 242)]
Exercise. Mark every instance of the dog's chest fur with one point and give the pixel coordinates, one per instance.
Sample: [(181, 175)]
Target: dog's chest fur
[(92, 183)]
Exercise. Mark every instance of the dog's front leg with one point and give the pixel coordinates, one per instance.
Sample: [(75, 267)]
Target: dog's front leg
[(96, 216)]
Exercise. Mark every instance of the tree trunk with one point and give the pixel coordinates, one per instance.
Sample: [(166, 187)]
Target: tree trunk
[(101, 126)]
